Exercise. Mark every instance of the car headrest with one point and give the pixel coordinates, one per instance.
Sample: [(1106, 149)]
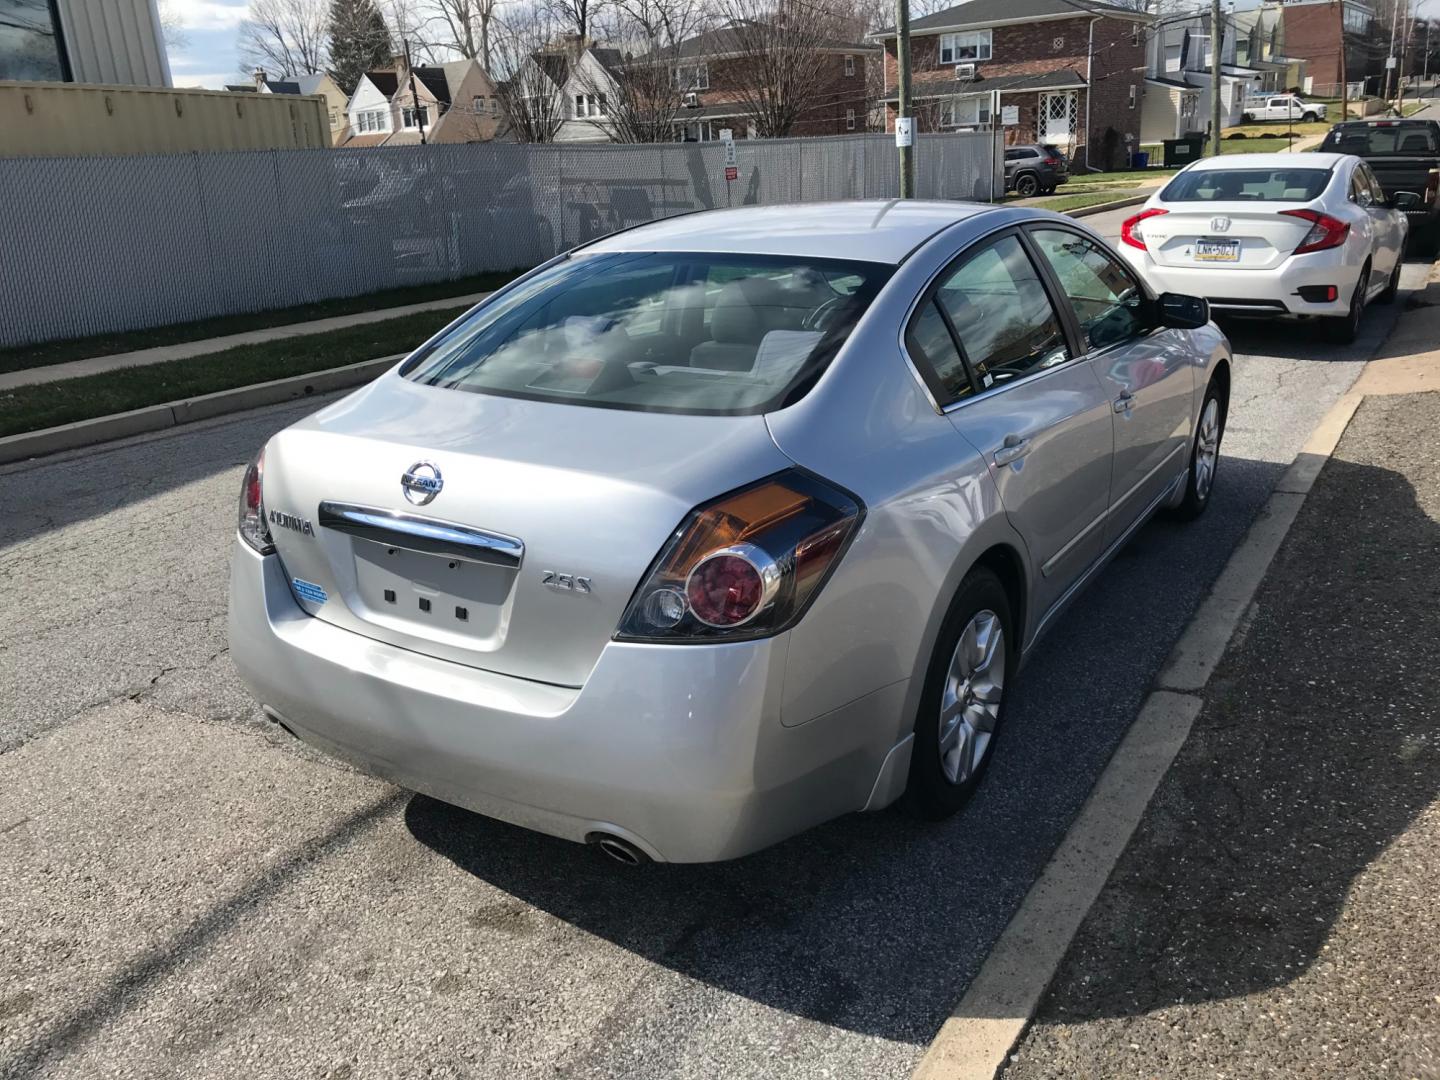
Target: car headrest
[(1416, 142), (734, 321)]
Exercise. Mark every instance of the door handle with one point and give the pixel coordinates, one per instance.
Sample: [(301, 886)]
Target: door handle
[(1014, 449), (1124, 401)]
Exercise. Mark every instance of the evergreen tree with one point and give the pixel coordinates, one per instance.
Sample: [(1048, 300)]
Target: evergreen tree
[(359, 41)]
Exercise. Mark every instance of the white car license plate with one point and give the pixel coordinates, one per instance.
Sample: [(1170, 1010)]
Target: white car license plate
[(1217, 251)]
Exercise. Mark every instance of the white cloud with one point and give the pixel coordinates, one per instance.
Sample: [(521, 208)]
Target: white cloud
[(209, 14)]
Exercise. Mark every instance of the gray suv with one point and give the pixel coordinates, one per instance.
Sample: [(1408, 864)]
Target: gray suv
[(1034, 170)]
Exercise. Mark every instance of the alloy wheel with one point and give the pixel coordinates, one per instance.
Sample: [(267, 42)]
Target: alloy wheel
[(970, 703), (1207, 448)]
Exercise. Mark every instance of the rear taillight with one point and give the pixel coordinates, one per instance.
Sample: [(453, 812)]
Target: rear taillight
[(1432, 185), (744, 566), (1325, 231), (253, 528), (1130, 232)]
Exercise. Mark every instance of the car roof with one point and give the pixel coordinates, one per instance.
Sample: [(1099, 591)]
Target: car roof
[(869, 230), (1270, 161)]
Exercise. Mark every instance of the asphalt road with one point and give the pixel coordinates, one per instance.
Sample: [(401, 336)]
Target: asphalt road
[(189, 893)]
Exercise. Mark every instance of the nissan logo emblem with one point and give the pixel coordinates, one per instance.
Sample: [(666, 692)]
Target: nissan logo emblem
[(421, 483)]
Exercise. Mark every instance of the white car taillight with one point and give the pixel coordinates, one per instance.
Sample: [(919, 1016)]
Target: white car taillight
[(253, 528), (1131, 232), (1325, 231), (746, 565)]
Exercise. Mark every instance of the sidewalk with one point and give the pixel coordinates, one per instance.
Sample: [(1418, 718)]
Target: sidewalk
[(1275, 913), (97, 365)]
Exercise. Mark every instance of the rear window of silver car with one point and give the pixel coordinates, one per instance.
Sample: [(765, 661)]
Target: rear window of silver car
[(1246, 185), (710, 334)]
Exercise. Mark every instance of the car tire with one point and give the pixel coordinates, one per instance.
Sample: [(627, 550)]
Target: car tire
[(963, 703), (1344, 329), (1309, 117), (1026, 185), (1248, 118), (1392, 287), (1204, 456)]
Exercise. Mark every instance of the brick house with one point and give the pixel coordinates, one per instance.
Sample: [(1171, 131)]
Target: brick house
[(1338, 40), (1071, 72), (711, 72)]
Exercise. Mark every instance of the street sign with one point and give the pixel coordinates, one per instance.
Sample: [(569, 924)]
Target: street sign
[(1009, 115), (729, 154), (732, 173), (904, 131), (726, 135), (1389, 62)]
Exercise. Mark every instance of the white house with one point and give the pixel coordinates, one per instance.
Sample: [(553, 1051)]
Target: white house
[(583, 79), (1178, 55)]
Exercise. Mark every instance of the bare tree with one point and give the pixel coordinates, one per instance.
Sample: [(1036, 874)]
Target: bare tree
[(778, 72), (466, 27), (530, 77), (288, 37), (642, 99), (172, 27), (577, 13)]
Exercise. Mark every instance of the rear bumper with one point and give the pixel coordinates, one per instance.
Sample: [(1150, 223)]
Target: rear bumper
[(1273, 292), (678, 749)]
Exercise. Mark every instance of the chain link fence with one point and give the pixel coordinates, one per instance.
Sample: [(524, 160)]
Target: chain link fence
[(100, 244)]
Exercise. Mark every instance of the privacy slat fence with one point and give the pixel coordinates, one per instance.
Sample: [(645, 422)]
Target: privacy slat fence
[(99, 244)]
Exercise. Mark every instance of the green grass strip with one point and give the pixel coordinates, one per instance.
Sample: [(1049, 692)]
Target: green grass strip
[(30, 408), (24, 357)]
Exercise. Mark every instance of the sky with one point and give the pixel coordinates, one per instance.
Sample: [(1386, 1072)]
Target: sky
[(208, 58)]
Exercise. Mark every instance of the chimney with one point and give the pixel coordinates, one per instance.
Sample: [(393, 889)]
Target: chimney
[(260, 78)]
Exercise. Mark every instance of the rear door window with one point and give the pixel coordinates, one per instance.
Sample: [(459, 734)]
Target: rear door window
[(996, 304)]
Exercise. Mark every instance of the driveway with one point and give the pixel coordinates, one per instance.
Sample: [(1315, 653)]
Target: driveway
[(190, 893)]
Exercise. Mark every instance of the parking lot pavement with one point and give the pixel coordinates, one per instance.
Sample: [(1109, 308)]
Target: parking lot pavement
[(1275, 912), (190, 895)]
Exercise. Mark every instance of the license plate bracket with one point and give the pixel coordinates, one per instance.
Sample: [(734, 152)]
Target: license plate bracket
[(1211, 250)]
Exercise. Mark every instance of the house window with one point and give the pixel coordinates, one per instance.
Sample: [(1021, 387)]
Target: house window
[(494, 106), (334, 117), (849, 119), (590, 105), (692, 77), (1133, 95), (849, 65), (1135, 33), (411, 117), (478, 105), (602, 107), (579, 106), (970, 111), (958, 48), (372, 120)]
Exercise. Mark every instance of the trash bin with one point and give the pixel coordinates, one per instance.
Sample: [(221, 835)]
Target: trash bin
[(1180, 152), (1140, 159)]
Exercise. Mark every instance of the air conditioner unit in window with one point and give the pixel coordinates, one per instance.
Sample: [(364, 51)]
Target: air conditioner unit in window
[(965, 72), (692, 101)]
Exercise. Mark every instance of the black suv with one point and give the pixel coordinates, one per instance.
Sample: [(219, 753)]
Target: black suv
[(1404, 155), (1034, 170)]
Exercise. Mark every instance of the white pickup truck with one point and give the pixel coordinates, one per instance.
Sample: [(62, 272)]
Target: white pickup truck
[(1281, 107)]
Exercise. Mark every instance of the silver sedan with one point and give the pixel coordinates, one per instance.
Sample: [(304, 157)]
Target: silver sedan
[(724, 526)]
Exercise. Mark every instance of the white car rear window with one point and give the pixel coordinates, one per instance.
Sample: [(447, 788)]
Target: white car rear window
[(1242, 185)]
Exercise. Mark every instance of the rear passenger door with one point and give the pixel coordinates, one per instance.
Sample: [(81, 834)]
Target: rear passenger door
[(1146, 371), (990, 342)]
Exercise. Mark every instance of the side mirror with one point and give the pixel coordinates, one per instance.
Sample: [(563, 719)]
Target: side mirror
[(1181, 312), (1405, 200)]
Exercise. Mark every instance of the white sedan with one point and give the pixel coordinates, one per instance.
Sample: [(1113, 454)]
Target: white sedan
[(1273, 235)]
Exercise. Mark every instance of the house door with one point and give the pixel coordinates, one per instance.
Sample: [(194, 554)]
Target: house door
[(1057, 118)]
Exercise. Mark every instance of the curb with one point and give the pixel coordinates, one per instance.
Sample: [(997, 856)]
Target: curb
[(30, 444), (976, 1040), (1119, 204)]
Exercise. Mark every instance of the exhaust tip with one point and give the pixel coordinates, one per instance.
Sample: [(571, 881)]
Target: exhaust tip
[(617, 848)]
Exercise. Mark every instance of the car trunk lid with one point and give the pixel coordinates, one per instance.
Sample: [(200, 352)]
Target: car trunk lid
[(540, 521), (1233, 235)]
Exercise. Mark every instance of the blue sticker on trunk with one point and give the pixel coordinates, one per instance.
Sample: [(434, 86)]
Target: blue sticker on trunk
[(308, 590)]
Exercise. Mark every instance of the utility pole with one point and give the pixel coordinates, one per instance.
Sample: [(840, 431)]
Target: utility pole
[(902, 102), (1391, 64), (414, 100), (1217, 34)]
